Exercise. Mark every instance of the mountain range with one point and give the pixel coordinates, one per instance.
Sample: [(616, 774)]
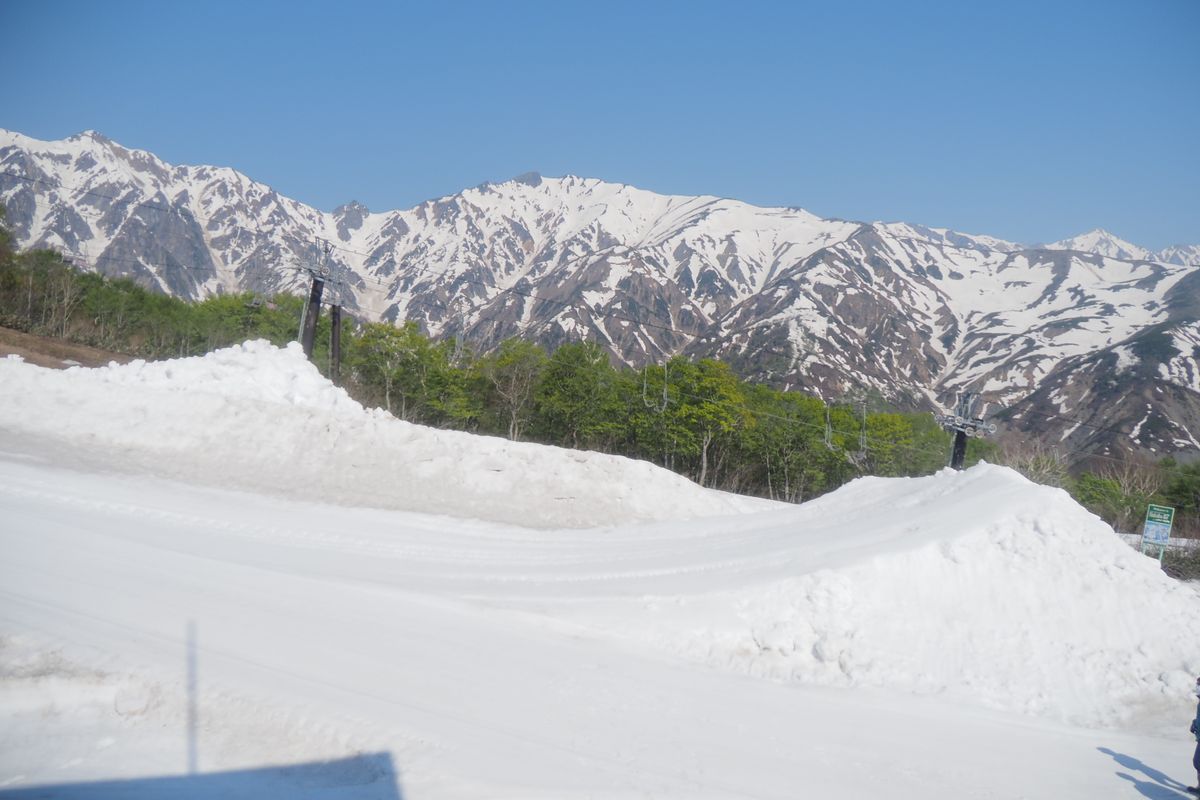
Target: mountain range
[(1091, 344)]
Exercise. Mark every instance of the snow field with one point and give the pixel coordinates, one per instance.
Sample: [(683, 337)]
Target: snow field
[(515, 621)]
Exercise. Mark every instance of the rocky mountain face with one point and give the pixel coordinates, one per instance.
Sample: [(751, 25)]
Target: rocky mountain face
[(1091, 343)]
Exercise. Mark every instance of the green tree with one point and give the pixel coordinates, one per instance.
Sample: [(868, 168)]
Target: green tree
[(708, 407), (510, 376), (6, 241), (1182, 487), (783, 448), (577, 400), (1103, 497), (401, 364), (892, 443)]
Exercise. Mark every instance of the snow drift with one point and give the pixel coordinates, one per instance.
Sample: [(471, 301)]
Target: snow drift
[(258, 417), (980, 585)]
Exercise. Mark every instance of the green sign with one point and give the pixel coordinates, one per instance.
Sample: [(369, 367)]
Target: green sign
[(1157, 529)]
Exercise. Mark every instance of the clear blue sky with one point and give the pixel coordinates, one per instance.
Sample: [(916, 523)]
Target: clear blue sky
[(1027, 120)]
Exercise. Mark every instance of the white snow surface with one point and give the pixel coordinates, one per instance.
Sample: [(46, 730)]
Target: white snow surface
[(442, 623)]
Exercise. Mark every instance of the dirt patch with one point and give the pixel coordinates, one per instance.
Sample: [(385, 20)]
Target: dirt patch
[(54, 353)]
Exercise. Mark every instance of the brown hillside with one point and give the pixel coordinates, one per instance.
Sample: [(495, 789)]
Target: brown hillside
[(54, 353)]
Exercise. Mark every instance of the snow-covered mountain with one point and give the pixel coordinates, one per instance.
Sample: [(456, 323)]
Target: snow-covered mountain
[(1080, 327), (1180, 254), (1101, 242)]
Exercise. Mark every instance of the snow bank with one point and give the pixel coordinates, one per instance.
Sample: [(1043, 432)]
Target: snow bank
[(258, 417), (978, 585)]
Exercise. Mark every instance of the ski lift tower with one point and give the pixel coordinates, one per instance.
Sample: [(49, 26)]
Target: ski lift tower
[(964, 422), (312, 310)]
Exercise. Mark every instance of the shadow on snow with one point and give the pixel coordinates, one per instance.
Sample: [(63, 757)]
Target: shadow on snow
[(368, 776), (1151, 783)]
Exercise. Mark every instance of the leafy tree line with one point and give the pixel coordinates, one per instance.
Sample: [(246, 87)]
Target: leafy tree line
[(1120, 494), (694, 417), (40, 293), (699, 419)]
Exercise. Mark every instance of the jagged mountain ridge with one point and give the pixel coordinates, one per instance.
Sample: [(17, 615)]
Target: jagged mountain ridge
[(830, 305)]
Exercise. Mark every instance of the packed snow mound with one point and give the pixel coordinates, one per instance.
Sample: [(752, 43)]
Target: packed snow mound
[(258, 417), (979, 585)]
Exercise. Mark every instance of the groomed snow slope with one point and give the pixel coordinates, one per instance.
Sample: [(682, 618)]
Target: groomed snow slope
[(963, 635)]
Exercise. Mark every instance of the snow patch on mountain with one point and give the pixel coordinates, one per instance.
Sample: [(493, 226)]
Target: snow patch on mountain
[(1183, 369)]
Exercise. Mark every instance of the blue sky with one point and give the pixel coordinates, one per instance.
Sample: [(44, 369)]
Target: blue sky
[(1026, 120)]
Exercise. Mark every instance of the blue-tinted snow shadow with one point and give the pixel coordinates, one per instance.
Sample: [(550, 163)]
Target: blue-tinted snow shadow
[(1159, 785), (369, 776)]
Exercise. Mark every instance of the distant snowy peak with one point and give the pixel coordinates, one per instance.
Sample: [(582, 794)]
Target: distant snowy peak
[(1180, 254), (1103, 243)]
